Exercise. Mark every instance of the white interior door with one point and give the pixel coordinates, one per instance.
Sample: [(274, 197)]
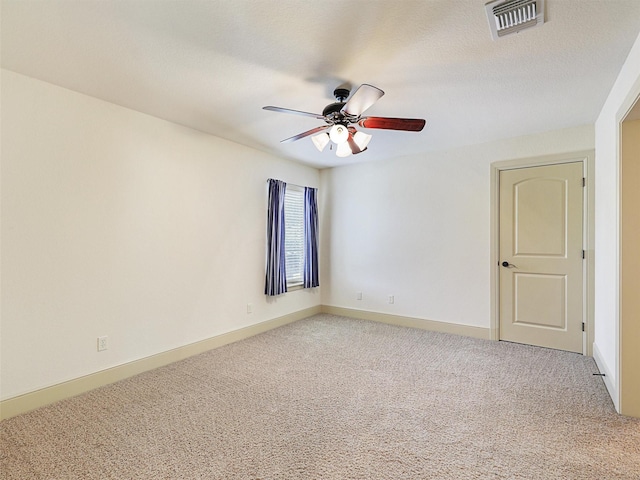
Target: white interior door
[(541, 287)]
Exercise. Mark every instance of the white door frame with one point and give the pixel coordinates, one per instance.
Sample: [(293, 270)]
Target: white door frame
[(588, 234)]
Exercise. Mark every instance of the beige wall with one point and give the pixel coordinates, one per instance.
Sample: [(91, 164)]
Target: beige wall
[(120, 224), (630, 270)]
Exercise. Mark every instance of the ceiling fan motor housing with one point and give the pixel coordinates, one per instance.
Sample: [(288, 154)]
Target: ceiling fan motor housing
[(332, 111)]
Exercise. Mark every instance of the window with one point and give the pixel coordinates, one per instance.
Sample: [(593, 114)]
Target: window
[(294, 234), (292, 238)]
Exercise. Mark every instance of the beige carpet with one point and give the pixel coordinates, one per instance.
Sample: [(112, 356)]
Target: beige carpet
[(336, 398)]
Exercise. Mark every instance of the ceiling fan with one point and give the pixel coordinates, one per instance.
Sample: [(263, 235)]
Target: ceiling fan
[(342, 116)]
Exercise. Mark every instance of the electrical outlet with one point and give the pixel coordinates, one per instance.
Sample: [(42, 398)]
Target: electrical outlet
[(359, 296), (249, 308), (391, 299), (103, 343)]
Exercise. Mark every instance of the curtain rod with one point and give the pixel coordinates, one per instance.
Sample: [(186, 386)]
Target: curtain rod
[(289, 183)]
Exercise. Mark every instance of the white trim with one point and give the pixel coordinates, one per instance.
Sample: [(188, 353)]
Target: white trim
[(609, 380), (39, 398), (412, 322), (587, 159)]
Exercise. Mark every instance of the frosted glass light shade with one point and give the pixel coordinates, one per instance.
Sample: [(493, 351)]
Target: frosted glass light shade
[(339, 134), (343, 150), (320, 141), (362, 139)]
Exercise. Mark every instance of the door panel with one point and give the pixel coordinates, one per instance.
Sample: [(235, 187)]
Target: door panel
[(529, 310), (541, 240), (540, 217)]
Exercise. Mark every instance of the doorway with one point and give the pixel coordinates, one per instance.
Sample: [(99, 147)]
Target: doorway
[(542, 257)]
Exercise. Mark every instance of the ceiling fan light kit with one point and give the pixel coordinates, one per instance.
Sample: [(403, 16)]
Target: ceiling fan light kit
[(343, 150), (321, 140), (343, 115), (339, 133), (362, 139)]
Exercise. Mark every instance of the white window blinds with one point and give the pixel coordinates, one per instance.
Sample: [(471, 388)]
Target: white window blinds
[(294, 234)]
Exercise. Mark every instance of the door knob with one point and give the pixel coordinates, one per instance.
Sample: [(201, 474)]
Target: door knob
[(505, 264)]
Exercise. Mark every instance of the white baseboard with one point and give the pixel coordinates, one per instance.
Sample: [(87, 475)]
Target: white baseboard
[(609, 378), (39, 398), (444, 327)]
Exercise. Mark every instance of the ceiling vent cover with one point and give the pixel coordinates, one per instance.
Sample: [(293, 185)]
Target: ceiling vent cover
[(510, 16)]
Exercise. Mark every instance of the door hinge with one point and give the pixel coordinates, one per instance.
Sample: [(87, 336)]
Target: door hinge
[(583, 254), (583, 326), (584, 182)]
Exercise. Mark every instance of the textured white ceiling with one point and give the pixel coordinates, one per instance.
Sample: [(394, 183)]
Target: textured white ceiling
[(211, 65)]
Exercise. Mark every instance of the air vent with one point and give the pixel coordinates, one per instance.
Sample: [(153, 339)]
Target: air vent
[(510, 16)]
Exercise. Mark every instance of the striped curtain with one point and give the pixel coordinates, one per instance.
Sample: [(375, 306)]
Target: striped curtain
[(310, 238), (276, 278)]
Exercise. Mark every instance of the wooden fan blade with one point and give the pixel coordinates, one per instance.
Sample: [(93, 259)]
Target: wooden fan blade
[(386, 123), (365, 96), (295, 112), (313, 131)]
